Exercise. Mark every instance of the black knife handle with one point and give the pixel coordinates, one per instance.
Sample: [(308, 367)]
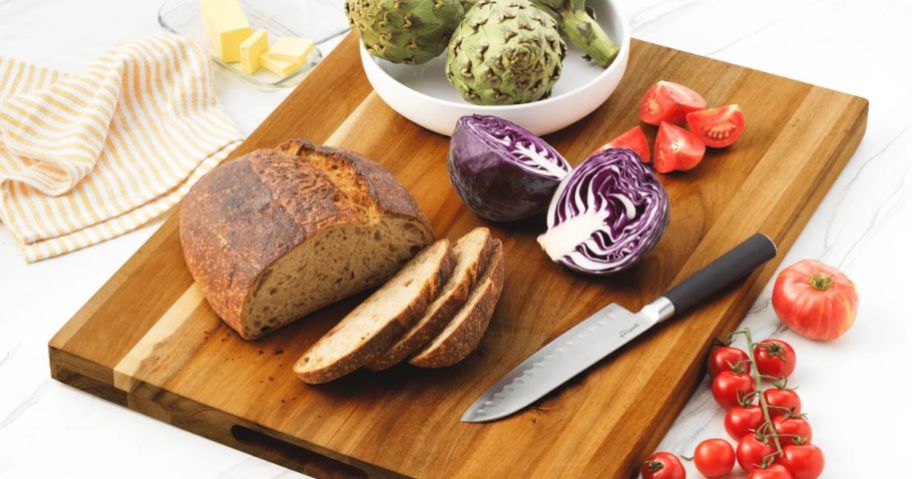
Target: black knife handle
[(725, 270)]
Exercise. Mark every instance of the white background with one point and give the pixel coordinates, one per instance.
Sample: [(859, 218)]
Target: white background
[(852, 388)]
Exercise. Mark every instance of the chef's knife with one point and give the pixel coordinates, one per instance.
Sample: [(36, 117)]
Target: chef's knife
[(608, 329)]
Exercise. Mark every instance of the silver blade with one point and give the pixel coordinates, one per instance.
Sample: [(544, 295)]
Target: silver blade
[(566, 356)]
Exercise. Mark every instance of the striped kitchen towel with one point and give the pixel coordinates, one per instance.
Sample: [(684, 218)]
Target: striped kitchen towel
[(85, 158)]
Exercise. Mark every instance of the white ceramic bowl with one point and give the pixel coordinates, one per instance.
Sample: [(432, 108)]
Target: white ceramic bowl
[(422, 94)]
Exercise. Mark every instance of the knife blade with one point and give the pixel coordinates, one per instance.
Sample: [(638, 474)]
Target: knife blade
[(608, 330)]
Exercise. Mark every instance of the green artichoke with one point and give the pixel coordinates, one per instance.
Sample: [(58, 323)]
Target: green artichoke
[(404, 31), (578, 23), (505, 52)]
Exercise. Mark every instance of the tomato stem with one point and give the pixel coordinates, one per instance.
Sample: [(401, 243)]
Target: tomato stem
[(654, 466), (821, 281), (783, 408), (767, 420)]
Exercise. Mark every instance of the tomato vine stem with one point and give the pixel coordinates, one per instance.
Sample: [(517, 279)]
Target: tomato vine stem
[(764, 406)]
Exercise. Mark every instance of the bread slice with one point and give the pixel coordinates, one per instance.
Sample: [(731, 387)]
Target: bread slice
[(370, 328), (473, 252), (462, 335), (279, 233)]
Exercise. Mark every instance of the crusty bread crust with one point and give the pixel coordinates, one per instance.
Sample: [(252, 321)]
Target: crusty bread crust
[(251, 211), (442, 310), (463, 334), (382, 188), (368, 330)]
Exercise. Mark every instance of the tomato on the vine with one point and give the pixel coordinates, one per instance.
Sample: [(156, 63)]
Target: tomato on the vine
[(790, 427), (751, 451), (775, 358), (743, 420), (714, 458), (804, 461), (726, 358), (775, 471), (729, 388), (782, 401), (663, 465)]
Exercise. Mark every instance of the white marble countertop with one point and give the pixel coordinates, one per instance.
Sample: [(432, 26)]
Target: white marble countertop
[(851, 388)]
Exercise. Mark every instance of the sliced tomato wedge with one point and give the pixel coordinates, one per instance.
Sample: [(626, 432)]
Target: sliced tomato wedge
[(669, 101), (677, 149), (717, 127), (632, 139)]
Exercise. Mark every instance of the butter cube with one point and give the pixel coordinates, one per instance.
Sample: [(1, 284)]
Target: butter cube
[(279, 67), (226, 25), (291, 49), (251, 50)]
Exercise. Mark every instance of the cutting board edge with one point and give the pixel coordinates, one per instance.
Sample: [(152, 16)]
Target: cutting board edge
[(236, 432)]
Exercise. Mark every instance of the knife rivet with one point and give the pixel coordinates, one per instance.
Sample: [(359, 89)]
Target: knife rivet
[(487, 404)]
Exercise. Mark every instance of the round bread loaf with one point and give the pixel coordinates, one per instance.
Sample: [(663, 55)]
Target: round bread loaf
[(277, 234)]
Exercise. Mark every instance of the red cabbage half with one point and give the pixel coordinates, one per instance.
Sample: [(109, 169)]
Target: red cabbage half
[(502, 171), (607, 214)]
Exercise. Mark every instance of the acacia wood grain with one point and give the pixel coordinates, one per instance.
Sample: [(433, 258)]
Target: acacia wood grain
[(138, 343)]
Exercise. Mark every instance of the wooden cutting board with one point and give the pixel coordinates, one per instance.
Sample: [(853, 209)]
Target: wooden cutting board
[(148, 340)]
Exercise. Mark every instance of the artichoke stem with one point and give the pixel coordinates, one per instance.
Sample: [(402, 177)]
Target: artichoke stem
[(583, 31)]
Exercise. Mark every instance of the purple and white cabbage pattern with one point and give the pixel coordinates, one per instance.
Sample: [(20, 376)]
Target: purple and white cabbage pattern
[(502, 171), (606, 215)]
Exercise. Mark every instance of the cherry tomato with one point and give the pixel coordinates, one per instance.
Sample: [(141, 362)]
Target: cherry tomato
[(797, 426), (751, 451), (669, 101), (663, 465), (714, 458), (775, 358), (743, 420), (717, 127), (804, 461), (725, 358), (775, 471), (782, 401), (632, 139), (677, 149), (815, 300), (729, 388)]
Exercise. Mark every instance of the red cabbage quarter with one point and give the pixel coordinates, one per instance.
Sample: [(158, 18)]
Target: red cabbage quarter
[(606, 215), (502, 171)]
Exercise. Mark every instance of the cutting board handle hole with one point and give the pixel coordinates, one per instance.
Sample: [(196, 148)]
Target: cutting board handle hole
[(291, 456)]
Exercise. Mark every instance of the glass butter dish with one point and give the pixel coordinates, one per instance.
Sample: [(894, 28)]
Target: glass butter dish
[(316, 20)]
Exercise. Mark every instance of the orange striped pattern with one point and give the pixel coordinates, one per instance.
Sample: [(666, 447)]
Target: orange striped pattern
[(85, 158)]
